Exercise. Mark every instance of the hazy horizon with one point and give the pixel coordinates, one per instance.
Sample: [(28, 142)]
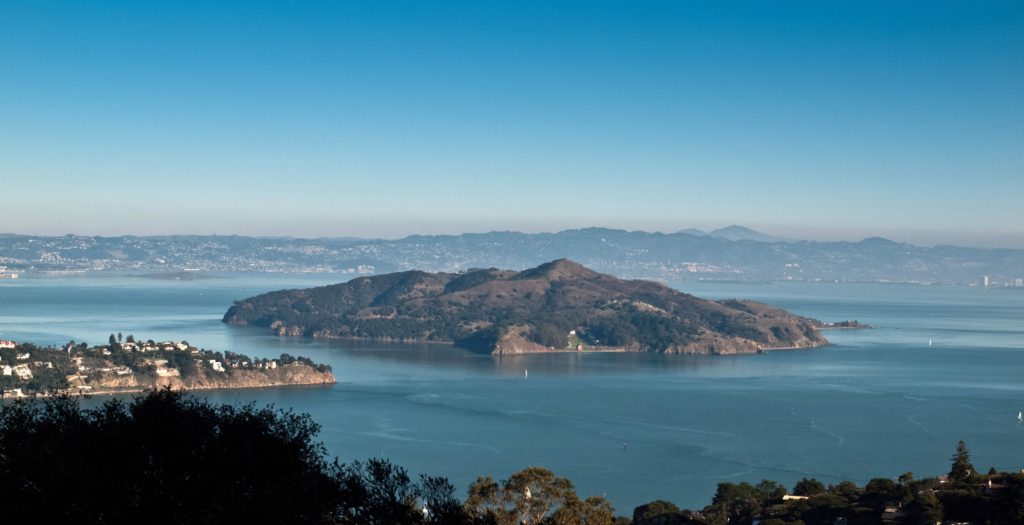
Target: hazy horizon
[(805, 120), (923, 239)]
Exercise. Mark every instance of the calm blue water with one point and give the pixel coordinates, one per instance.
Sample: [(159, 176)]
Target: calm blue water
[(879, 403)]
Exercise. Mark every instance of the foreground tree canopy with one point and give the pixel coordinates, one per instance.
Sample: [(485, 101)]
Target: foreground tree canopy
[(166, 457)]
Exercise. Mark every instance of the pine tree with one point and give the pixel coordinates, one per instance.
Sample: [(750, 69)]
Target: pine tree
[(962, 468)]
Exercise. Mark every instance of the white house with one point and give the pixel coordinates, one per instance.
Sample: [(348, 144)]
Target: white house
[(168, 372), (7, 370), (23, 372), (8, 344), (217, 366)]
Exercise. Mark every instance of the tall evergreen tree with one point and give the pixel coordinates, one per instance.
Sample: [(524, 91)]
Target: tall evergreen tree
[(962, 468)]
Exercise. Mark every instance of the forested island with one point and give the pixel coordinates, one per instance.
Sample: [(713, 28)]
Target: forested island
[(166, 457), (128, 365), (556, 307)]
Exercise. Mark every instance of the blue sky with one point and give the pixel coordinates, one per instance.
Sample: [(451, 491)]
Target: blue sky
[(822, 120)]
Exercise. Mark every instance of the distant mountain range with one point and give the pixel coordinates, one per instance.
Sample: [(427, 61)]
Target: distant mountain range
[(732, 253)]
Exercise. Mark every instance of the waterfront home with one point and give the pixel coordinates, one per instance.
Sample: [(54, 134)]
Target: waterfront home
[(7, 344)]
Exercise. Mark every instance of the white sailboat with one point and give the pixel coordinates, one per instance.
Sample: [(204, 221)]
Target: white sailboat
[(526, 374), (1020, 417), (929, 342)]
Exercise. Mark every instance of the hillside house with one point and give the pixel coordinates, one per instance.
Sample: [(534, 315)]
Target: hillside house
[(23, 372), (167, 372)]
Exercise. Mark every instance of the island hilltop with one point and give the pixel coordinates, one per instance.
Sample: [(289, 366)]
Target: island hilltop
[(556, 307), (132, 366)]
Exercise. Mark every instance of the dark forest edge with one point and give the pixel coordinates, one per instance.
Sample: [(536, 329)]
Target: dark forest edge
[(168, 457)]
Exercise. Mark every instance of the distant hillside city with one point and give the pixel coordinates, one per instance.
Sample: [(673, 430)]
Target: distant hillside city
[(733, 253)]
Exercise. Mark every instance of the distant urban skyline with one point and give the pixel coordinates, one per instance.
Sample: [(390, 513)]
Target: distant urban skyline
[(808, 120)]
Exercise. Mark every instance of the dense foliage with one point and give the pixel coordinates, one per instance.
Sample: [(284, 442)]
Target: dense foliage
[(969, 498), (166, 457)]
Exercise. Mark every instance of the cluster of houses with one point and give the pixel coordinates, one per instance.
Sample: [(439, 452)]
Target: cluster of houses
[(22, 369), (150, 346)]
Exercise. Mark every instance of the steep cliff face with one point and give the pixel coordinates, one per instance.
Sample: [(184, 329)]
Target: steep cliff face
[(294, 374), (558, 306)]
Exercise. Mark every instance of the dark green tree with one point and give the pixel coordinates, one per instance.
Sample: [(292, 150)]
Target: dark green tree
[(734, 503), (161, 458), (654, 508), (377, 492), (845, 488), (808, 487), (962, 469), (927, 507), (770, 491), (533, 496)]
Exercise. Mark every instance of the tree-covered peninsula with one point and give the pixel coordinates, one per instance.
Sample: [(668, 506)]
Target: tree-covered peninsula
[(557, 306), (127, 365)]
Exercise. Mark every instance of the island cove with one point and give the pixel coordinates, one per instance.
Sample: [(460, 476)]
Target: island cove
[(558, 306), (129, 366)]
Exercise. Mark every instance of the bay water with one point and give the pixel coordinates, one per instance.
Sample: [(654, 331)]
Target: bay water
[(632, 427)]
